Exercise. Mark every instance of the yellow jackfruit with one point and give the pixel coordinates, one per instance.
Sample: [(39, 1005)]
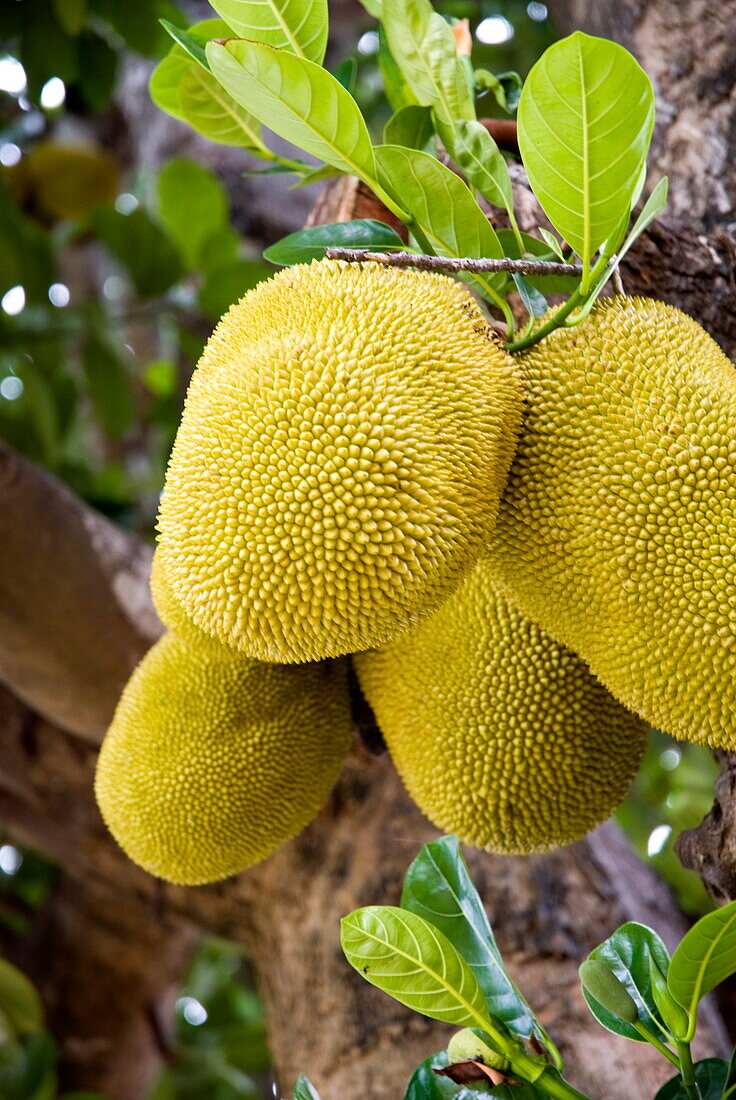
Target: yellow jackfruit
[(500, 734), (210, 765), (618, 526), (344, 443), (174, 619)]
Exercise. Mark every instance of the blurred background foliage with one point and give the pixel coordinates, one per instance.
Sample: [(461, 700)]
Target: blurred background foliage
[(111, 279)]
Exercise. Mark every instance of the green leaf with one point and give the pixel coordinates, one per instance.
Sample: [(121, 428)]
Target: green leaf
[(730, 1086), (346, 73), (479, 159), (397, 91), (410, 126), (710, 1075), (19, 1000), (412, 961), (109, 386), (552, 241), (191, 42), (373, 7), (438, 887), (585, 123), (628, 953), (506, 87), (705, 956), (220, 248), (442, 206), (141, 247), (192, 204), (163, 85), (423, 45), (310, 244), (209, 110), (297, 100), (299, 26), (316, 175), (534, 301), (228, 284), (304, 1089)]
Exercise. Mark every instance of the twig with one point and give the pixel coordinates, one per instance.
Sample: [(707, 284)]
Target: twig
[(442, 263)]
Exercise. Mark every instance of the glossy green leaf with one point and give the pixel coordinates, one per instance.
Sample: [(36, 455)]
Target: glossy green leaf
[(506, 87), (423, 46), (310, 244), (479, 159), (299, 26), (438, 887), (304, 1089), (298, 100), (109, 386), (705, 957), (710, 1075), (227, 284), (191, 42), (534, 301), (141, 247), (441, 204), (209, 110), (628, 953), (412, 961), (585, 123), (397, 91), (183, 187), (410, 126), (20, 1003)]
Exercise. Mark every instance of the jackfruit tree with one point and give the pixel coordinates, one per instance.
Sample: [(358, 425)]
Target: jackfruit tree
[(455, 481)]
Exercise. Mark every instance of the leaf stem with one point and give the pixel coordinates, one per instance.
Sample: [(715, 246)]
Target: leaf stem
[(651, 1038), (578, 297), (687, 1071)]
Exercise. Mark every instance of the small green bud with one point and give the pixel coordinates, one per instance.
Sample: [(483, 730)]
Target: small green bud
[(602, 984), (676, 1019), (469, 1043)]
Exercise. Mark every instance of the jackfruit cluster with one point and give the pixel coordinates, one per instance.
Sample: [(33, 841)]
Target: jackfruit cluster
[(618, 526), (344, 443), (500, 734), (342, 483)]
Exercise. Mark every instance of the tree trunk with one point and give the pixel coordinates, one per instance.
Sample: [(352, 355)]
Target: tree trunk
[(69, 638)]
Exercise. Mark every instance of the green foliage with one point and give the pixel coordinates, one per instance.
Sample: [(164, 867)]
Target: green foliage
[(310, 244), (299, 26), (436, 954)]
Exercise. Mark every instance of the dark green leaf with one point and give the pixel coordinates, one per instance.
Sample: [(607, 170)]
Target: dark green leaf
[(506, 87), (585, 122), (109, 385), (98, 67), (346, 73), (423, 45), (228, 284), (140, 246), (19, 1001), (710, 1075), (185, 189), (438, 887), (628, 952), (412, 961), (535, 302), (299, 26), (410, 126), (704, 958), (220, 248), (310, 244), (72, 15), (32, 1076), (190, 41), (730, 1087)]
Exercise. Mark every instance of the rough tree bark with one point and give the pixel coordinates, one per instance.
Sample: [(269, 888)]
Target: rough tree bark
[(67, 641), (689, 259)]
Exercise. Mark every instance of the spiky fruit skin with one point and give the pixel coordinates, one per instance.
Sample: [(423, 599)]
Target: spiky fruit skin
[(209, 766), (499, 733), (344, 444), (617, 528), (175, 620)]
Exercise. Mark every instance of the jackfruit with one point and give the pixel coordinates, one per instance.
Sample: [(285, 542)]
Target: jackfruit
[(617, 529), (500, 734), (175, 620), (209, 766), (344, 443)]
